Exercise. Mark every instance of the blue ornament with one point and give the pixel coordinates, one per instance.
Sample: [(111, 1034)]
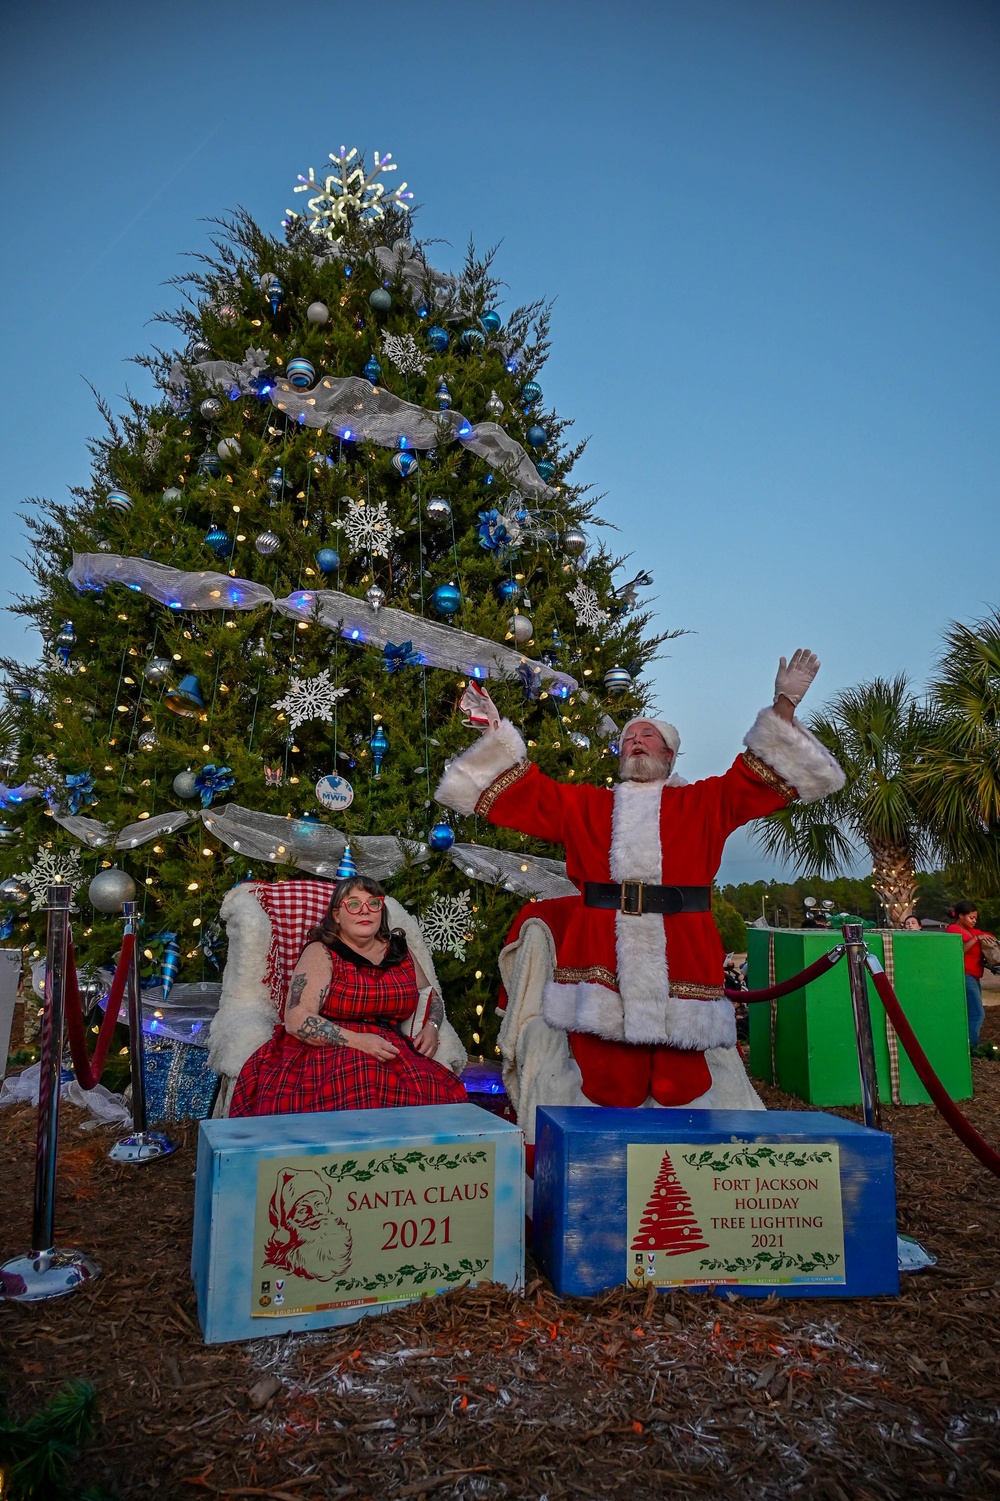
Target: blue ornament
[(531, 392), (79, 790), (347, 866), (310, 817), (437, 338), (277, 482), (21, 694), (537, 436), (327, 560), (508, 590), (446, 600), (219, 540), (379, 300), (404, 463), (6, 925), (617, 680), (472, 338), (275, 292), (65, 642), (7, 833), (210, 463), (212, 780), (170, 963), (379, 743), (372, 370), (185, 699), (491, 321), (546, 470), (441, 836), (394, 658), (118, 500), (300, 372), (443, 394)]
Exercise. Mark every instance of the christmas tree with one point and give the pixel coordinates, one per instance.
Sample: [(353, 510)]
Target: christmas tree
[(668, 1222), (260, 615)]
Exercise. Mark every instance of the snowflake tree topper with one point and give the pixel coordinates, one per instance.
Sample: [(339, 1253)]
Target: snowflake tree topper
[(347, 190), (368, 528), (448, 924), (309, 698), (588, 610)]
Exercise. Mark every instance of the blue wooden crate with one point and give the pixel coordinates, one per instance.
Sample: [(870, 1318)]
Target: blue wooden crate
[(308, 1221), (798, 1203)]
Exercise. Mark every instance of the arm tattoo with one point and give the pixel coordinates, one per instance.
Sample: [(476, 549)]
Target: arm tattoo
[(435, 1014), (321, 1033), (295, 990)]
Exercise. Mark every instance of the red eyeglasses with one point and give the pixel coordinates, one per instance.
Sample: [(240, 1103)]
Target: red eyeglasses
[(354, 906)]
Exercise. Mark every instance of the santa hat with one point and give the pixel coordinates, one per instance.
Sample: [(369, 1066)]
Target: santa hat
[(668, 731)]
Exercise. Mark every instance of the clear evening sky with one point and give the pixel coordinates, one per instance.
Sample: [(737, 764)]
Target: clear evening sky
[(771, 228)]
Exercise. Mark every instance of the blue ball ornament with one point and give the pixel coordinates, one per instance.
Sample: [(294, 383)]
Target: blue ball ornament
[(472, 338), (509, 590), (447, 599), (546, 470), (404, 463), (210, 463), (277, 482), (219, 540), (537, 436), (119, 501), (531, 393), (380, 301), (327, 560), (441, 836), (301, 373), (437, 338), (491, 321), (372, 370), (274, 292), (617, 680)]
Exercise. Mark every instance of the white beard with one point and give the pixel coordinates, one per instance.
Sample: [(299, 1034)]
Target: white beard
[(646, 768)]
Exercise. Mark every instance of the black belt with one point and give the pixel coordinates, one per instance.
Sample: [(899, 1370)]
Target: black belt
[(636, 897)]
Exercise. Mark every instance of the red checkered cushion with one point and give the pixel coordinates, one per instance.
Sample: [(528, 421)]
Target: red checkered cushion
[(293, 908)]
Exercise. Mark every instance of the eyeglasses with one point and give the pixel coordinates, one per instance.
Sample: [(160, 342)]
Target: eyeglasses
[(353, 906)]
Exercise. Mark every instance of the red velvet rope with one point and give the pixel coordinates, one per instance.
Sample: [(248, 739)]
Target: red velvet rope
[(785, 987), (89, 1068), (962, 1127)]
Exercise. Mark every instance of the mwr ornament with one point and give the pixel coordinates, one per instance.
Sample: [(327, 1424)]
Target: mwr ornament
[(335, 793), (110, 890)]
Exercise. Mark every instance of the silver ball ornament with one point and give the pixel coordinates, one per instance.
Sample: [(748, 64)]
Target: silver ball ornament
[(172, 496), (579, 741), (185, 785), (522, 628), (318, 312), (573, 542), (200, 350), (110, 890), (438, 510), (211, 408), (375, 597), (14, 892), (228, 448), (495, 407), (267, 543), (148, 740), (158, 670)]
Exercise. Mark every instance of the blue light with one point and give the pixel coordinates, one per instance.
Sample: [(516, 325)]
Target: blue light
[(403, 442), (355, 635), (174, 604), (264, 390), (302, 419), (234, 393), (346, 433), (135, 588), (235, 596), (511, 367), (465, 430), (348, 270), (477, 672)]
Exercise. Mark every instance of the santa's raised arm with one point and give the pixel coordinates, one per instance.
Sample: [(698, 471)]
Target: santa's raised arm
[(636, 981)]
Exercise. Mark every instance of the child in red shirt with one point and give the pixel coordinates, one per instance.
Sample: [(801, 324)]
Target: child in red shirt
[(966, 915)]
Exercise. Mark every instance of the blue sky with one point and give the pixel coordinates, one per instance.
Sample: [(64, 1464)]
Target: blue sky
[(770, 227)]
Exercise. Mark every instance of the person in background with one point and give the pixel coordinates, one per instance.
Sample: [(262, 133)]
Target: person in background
[(966, 917), (912, 924)]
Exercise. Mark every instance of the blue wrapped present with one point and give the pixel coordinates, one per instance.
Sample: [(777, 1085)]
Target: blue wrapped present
[(180, 1086)]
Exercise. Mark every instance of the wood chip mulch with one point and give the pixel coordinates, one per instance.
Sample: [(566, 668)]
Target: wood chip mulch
[(481, 1394)]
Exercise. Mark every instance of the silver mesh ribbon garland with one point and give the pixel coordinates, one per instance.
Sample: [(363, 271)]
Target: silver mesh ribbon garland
[(531, 875), (317, 848), (92, 832)]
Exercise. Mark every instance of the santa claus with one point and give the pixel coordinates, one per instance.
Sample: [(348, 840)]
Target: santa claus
[(616, 993)]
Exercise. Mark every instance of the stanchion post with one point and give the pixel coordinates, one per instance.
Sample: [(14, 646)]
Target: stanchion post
[(45, 1271), (141, 1144), (857, 953)]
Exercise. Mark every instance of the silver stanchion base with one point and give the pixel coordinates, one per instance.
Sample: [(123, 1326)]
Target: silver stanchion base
[(45, 1274), (142, 1146)]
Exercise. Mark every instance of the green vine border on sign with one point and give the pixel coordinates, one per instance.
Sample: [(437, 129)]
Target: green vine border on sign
[(385, 1281), (784, 1261), (756, 1157), (400, 1163)]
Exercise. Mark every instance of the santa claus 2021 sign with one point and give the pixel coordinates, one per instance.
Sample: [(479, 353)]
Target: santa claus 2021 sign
[(734, 1212), (343, 1230)]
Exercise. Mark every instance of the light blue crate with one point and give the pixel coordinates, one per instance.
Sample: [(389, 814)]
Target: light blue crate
[(416, 1149)]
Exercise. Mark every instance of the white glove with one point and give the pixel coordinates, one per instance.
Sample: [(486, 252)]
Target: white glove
[(482, 713), (794, 677)]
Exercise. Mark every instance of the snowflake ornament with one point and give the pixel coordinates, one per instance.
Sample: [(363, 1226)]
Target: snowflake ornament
[(368, 528), (347, 191), (404, 354), (153, 442), (448, 924), (588, 611), (309, 698), (253, 367), (52, 868)]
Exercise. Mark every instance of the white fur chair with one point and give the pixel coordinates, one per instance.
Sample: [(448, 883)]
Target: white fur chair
[(258, 970)]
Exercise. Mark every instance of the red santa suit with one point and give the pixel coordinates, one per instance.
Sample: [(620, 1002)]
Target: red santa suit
[(640, 996)]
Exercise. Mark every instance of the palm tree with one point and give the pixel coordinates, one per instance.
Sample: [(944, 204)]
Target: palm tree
[(877, 731)]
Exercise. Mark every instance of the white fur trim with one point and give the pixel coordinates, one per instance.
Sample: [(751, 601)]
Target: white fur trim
[(795, 754), (468, 776), (584, 1006), (678, 1021)]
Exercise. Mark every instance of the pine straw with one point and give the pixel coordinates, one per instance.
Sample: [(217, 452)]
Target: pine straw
[(481, 1394)]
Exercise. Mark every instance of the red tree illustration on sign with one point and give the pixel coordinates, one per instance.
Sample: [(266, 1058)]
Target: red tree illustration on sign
[(668, 1223)]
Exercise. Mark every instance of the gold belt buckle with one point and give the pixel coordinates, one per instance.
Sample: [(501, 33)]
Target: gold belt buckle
[(635, 911)]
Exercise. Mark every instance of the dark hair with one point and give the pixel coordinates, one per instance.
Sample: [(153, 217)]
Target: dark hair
[(327, 931), (962, 909)]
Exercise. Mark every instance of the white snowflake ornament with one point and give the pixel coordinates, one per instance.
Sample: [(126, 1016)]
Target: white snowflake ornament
[(368, 528), (448, 924), (52, 868), (347, 189), (588, 610), (402, 351), (309, 698)]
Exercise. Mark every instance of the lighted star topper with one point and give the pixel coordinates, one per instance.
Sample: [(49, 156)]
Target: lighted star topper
[(347, 190)]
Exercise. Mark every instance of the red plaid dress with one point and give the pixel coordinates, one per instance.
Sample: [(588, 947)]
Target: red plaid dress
[(289, 1077)]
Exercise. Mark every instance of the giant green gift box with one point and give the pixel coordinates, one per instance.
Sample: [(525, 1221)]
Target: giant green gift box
[(815, 1053)]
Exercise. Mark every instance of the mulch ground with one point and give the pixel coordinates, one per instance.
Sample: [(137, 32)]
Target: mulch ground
[(480, 1394)]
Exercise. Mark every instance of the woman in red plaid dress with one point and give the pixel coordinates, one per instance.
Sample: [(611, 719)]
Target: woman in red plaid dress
[(340, 1047)]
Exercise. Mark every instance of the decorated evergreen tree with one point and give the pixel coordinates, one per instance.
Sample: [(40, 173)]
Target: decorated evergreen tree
[(261, 614)]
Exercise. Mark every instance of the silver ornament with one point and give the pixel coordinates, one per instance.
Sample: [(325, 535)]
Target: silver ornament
[(438, 510), (522, 628), (259, 651), (265, 279), (185, 784), (14, 892), (158, 670), (104, 547), (375, 597), (495, 407), (148, 740), (617, 679), (579, 740), (228, 448), (267, 543), (211, 408), (573, 542), (110, 890), (318, 312), (200, 350)]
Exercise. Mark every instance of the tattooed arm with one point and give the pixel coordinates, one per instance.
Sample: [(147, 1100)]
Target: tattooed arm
[(429, 1036), (303, 1011)]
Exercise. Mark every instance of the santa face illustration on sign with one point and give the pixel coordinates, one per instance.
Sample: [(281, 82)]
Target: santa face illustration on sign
[(309, 1240)]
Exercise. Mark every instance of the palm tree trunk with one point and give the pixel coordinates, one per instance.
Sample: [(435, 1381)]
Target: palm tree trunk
[(894, 880)]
